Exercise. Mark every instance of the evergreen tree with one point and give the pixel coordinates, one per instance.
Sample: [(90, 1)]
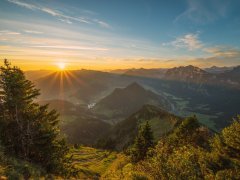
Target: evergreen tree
[(226, 151), (189, 131), (27, 130), (147, 135), (143, 142)]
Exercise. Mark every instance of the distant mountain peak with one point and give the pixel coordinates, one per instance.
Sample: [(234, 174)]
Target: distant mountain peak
[(193, 68), (187, 73), (218, 69), (125, 101), (187, 68), (237, 68), (134, 85), (161, 121)]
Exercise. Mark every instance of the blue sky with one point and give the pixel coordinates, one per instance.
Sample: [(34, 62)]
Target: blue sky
[(106, 34)]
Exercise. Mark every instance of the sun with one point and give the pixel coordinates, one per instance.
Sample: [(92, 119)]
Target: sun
[(61, 65)]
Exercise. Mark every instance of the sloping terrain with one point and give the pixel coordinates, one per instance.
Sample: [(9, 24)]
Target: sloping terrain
[(78, 86), (85, 130), (91, 163), (149, 73), (161, 121), (188, 74), (121, 103)]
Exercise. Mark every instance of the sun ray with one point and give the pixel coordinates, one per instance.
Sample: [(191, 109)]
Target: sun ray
[(61, 66)]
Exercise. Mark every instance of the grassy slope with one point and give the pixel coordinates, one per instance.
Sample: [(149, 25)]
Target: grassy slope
[(122, 168), (161, 122), (12, 168), (92, 163)]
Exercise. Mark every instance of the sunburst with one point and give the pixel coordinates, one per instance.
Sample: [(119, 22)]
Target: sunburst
[(61, 66)]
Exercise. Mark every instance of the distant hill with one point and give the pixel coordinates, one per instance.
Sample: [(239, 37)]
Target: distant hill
[(150, 73), (231, 76), (123, 102), (227, 77), (85, 130), (36, 74), (218, 70), (161, 122), (119, 71), (62, 106), (214, 97), (77, 123), (188, 74), (79, 86)]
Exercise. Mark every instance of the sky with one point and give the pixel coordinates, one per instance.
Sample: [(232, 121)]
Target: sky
[(119, 34)]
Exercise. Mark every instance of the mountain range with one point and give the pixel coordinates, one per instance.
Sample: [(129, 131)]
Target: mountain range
[(217, 70), (193, 74), (162, 122), (123, 102), (106, 97)]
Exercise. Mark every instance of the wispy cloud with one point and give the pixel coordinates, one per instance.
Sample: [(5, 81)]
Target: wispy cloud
[(23, 4), (190, 41), (65, 20), (219, 55), (7, 32), (60, 15), (72, 47), (101, 23), (32, 32), (212, 61), (223, 52), (203, 11)]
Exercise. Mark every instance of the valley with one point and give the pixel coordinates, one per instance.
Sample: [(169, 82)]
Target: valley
[(102, 128), (119, 90), (104, 93), (95, 100)]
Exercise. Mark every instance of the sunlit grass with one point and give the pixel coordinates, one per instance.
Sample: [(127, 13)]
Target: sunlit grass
[(92, 162)]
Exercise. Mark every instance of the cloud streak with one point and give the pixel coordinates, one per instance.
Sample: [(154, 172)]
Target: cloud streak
[(60, 15), (189, 41), (32, 32), (23, 4), (203, 11), (7, 32), (72, 47), (223, 52)]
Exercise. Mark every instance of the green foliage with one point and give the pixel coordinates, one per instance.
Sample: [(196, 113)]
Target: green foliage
[(185, 153), (33, 148), (143, 142), (91, 163), (29, 131), (226, 149), (179, 155), (123, 134), (106, 143), (122, 168), (85, 129), (182, 156), (134, 96), (189, 132), (17, 169)]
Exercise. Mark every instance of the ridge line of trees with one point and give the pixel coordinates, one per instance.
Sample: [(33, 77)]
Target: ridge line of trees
[(29, 131)]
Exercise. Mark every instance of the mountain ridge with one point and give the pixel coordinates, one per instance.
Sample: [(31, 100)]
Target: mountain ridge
[(122, 102)]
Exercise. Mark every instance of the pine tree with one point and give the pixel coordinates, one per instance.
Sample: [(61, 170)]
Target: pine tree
[(226, 151), (27, 130), (143, 142), (147, 135)]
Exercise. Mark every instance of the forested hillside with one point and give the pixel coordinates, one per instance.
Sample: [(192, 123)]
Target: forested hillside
[(120, 89), (150, 144)]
